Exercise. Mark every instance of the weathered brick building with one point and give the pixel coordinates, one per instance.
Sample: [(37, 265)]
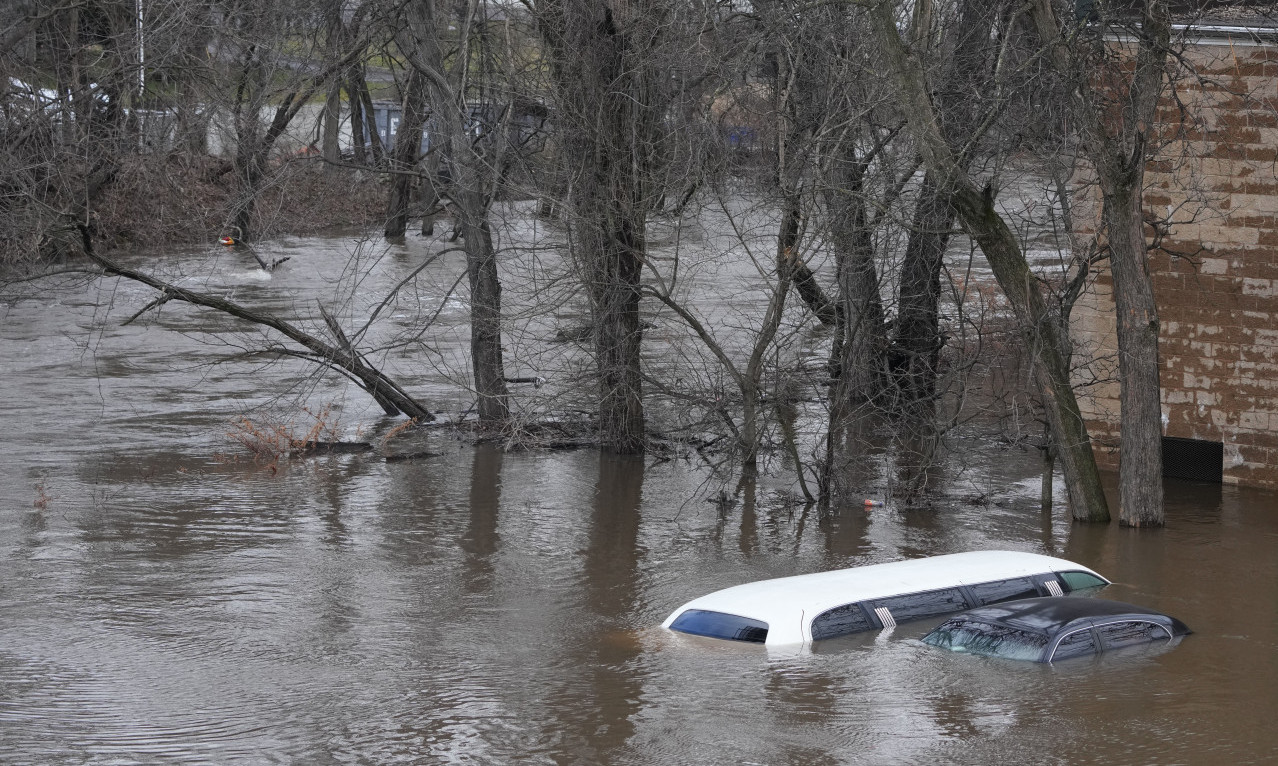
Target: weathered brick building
[(1215, 274)]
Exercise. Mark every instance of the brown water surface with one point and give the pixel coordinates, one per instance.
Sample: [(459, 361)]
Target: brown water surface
[(160, 603)]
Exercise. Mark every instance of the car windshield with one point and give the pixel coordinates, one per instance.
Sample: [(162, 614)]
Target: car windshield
[(987, 640)]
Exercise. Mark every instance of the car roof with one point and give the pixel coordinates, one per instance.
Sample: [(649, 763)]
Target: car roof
[(1047, 616), (785, 603)]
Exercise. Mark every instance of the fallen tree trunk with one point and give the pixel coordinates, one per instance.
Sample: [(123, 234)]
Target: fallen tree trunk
[(388, 394)]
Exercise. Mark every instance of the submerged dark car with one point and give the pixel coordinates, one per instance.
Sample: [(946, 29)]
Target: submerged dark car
[(1051, 629)]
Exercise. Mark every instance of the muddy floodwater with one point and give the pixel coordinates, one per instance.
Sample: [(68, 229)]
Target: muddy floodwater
[(164, 598)]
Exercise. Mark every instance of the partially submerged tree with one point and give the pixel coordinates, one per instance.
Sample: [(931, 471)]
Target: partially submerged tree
[(611, 93), (468, 119), (745, 370), (1114, 70), (976, 211), (961, 56)]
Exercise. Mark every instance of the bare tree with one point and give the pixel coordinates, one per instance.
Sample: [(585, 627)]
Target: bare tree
[(405, 152), (976, 211), (746, 371), (263, 80), (61, 146), (1114, 90), (831, 174), (468, 122), (342, 29), (962, 55), (609, 93)]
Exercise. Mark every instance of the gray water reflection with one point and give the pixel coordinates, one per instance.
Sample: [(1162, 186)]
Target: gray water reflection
[(160, 603)]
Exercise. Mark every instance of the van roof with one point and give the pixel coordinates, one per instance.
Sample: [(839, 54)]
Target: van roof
[(786, 603)]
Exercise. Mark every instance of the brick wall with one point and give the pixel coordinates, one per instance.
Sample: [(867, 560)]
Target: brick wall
[(1216, 274)]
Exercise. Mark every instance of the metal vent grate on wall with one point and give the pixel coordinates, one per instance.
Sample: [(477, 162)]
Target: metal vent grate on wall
[(1193, 459)]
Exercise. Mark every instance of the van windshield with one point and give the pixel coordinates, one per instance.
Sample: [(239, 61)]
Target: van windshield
[(1081, 580), (702, 622)]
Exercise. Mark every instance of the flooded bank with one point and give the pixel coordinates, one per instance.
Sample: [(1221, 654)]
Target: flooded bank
[(164, 598)]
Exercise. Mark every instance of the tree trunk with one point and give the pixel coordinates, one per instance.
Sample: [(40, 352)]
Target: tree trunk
[(354, 91), (917, 343), (1045, 490), (405, 153), (809, 290), (916, 347), (331, 146), (860, 337), (485, 321), (250, 162), (336, 34), (1116, 118), (475, 179), (473, 159), (916, 353), (432, 189), (376, 148), (1140, 484), (618, 335), (857, 353), (617, 261)]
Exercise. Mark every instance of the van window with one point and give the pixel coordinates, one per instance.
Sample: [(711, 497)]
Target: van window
[(1080, 580), (1004, 590), (701, 622), (918, 606), (840, 621)]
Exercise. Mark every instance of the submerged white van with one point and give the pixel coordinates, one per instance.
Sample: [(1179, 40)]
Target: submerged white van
[(804, 608)]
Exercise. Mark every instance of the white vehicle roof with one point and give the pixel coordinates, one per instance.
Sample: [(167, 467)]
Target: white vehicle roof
[(788, 604)]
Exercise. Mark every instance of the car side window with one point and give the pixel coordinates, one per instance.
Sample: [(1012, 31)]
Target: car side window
[(1076, 644), (840, 621), (1004, 590), (918, 606), (1119, 634)]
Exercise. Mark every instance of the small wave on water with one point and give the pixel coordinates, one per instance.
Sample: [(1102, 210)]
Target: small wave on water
[(251, 275)]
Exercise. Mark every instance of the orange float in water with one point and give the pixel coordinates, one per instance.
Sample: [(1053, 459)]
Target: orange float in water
[(226, 241)]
